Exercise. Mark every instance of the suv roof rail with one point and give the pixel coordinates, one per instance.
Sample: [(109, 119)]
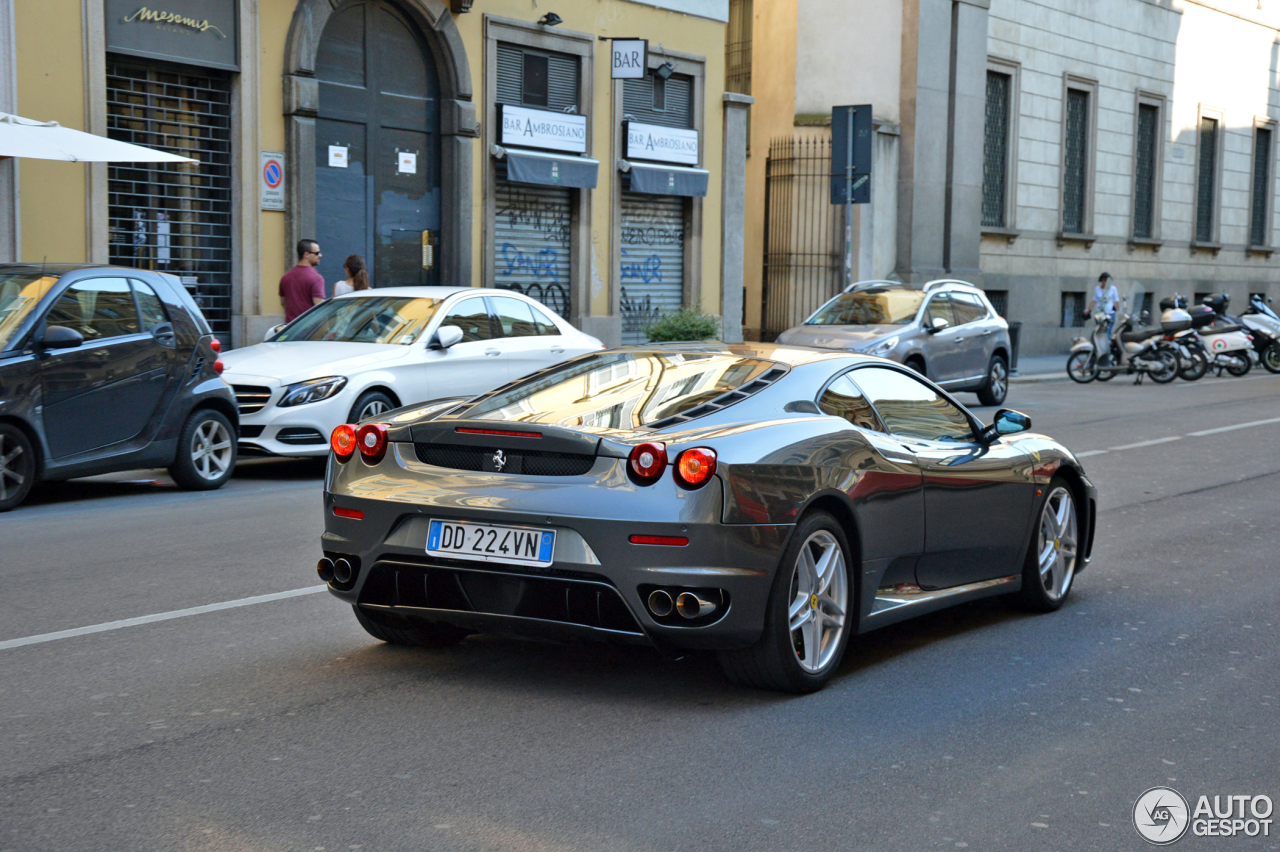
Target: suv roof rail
[(940, 281), (859, 285)]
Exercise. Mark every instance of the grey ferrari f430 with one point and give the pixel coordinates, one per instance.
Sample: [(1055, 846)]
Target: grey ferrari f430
[(764, 502)]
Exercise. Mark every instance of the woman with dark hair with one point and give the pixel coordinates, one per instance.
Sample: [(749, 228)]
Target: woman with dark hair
[(357, 276)]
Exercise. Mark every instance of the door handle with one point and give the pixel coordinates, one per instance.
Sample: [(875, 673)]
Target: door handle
[(492, 352), (988, 332), (959, 340), (559, 350)]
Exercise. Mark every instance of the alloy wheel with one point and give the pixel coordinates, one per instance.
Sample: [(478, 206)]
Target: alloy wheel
[(13, 464), (999, 379), (1057, 544), (211, 449), (372, 408), (819, 599)]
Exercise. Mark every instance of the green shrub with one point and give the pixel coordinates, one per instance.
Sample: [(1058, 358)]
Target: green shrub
[(684, 324)]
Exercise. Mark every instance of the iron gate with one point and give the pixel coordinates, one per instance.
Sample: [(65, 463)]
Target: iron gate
[(803, 233), (173, 217)]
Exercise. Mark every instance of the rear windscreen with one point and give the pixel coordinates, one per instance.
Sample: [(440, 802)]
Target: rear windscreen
[(619, 390)]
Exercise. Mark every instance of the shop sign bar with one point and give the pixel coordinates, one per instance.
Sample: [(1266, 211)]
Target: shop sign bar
[(193, 32), (540, 128), (662, 144), (630, 58)]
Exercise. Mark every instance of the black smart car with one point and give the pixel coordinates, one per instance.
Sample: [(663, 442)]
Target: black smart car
[(105, 369)]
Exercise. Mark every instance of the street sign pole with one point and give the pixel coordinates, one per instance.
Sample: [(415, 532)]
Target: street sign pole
[(850, 176), (848, 201)]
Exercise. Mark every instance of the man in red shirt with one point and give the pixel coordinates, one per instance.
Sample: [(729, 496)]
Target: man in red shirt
[(302, 287)]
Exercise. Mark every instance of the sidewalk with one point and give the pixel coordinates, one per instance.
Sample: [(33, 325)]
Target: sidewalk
[(1041, 368)]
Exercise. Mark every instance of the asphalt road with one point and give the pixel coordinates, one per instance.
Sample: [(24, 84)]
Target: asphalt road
[(281, 725)]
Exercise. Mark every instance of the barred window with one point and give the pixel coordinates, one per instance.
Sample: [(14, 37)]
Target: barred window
[(1259, 227), (999, 300), (995, 154), (1207, 167), (1073, 310), (1075, 178), (1144, 181)]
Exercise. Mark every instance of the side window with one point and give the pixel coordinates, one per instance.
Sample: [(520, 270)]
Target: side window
[(939, 306), (543, 322), (515, 317), (471, 316), (843, 399), (911, 408), (98, 308), (967, 308), (150, 307)]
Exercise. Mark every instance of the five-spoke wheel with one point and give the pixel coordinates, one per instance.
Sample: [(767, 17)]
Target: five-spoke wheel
[(1055, 547), (819, 597), (206, 451)]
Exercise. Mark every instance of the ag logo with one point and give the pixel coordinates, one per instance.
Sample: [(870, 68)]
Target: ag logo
[(1161, 815)]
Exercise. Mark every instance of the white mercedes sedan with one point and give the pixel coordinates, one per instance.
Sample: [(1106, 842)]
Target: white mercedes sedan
[(364, 353)]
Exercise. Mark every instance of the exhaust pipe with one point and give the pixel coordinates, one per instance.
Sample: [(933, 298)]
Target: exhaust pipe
[(660, 603), (342, 571), (691, 606), (325, 569)]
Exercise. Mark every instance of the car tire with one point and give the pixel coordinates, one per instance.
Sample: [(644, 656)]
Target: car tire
[(370, 404), (206, 451), (1053, 555), (797, 651), (410, 633), (17, 466), (997, 386), (916, 363)]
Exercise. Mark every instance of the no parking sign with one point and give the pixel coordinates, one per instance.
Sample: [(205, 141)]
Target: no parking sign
[(271, 180)]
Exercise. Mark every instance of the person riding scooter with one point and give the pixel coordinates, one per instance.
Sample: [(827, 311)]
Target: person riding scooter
[(1106, 298)]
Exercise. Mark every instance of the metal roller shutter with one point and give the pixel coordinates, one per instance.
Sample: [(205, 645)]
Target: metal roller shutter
[(653, 241), (531, 242), (173, 217)]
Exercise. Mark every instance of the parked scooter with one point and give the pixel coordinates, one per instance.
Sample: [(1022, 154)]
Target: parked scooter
[(1230, 346), (1143, 353), (1175, 321), (1264, 325)]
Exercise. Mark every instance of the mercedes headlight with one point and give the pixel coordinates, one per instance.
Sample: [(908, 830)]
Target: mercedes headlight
[(882, 347), (312, 391)]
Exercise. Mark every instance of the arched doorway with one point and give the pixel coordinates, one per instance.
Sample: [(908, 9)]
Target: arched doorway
[(377, 145)]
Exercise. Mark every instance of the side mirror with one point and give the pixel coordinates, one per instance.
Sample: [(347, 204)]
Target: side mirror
[(446, 337), (273, 331), (1006, 422), (937, 324), (61, 337)]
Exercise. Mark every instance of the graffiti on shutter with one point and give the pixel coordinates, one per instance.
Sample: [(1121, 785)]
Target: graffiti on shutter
[(653, 239), (531, 242)]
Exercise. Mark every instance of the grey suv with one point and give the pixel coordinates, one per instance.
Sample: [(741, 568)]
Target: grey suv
[(946, 330)]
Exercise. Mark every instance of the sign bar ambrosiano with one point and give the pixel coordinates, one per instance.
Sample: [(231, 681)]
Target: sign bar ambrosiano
[(540, 128), (662, 144)]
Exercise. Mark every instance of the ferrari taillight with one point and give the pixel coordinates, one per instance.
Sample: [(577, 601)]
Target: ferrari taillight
[(372, 439), (343, 441), (694, 467), (647, 462)]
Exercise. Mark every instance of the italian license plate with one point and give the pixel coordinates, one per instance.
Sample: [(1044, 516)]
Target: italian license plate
[(490, 542)]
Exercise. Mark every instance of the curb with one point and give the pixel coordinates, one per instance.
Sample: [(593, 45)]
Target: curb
[(1039, 378)]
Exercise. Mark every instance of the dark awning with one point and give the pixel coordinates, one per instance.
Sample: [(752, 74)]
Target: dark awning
[(667, 180), (549, 169)]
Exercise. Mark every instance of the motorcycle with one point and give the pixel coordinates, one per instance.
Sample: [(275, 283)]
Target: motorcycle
[(1175, 321), (1214, 342), (1264, 325), (1140, 353), (1229, 344)]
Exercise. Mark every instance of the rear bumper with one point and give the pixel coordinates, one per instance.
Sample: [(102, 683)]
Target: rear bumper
[(595, 566)]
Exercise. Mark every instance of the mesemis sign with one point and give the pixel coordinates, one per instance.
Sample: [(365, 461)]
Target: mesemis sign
[(540, 128), (194, 32)]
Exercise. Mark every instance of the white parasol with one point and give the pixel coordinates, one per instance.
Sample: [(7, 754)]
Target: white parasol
[(48, 140)]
